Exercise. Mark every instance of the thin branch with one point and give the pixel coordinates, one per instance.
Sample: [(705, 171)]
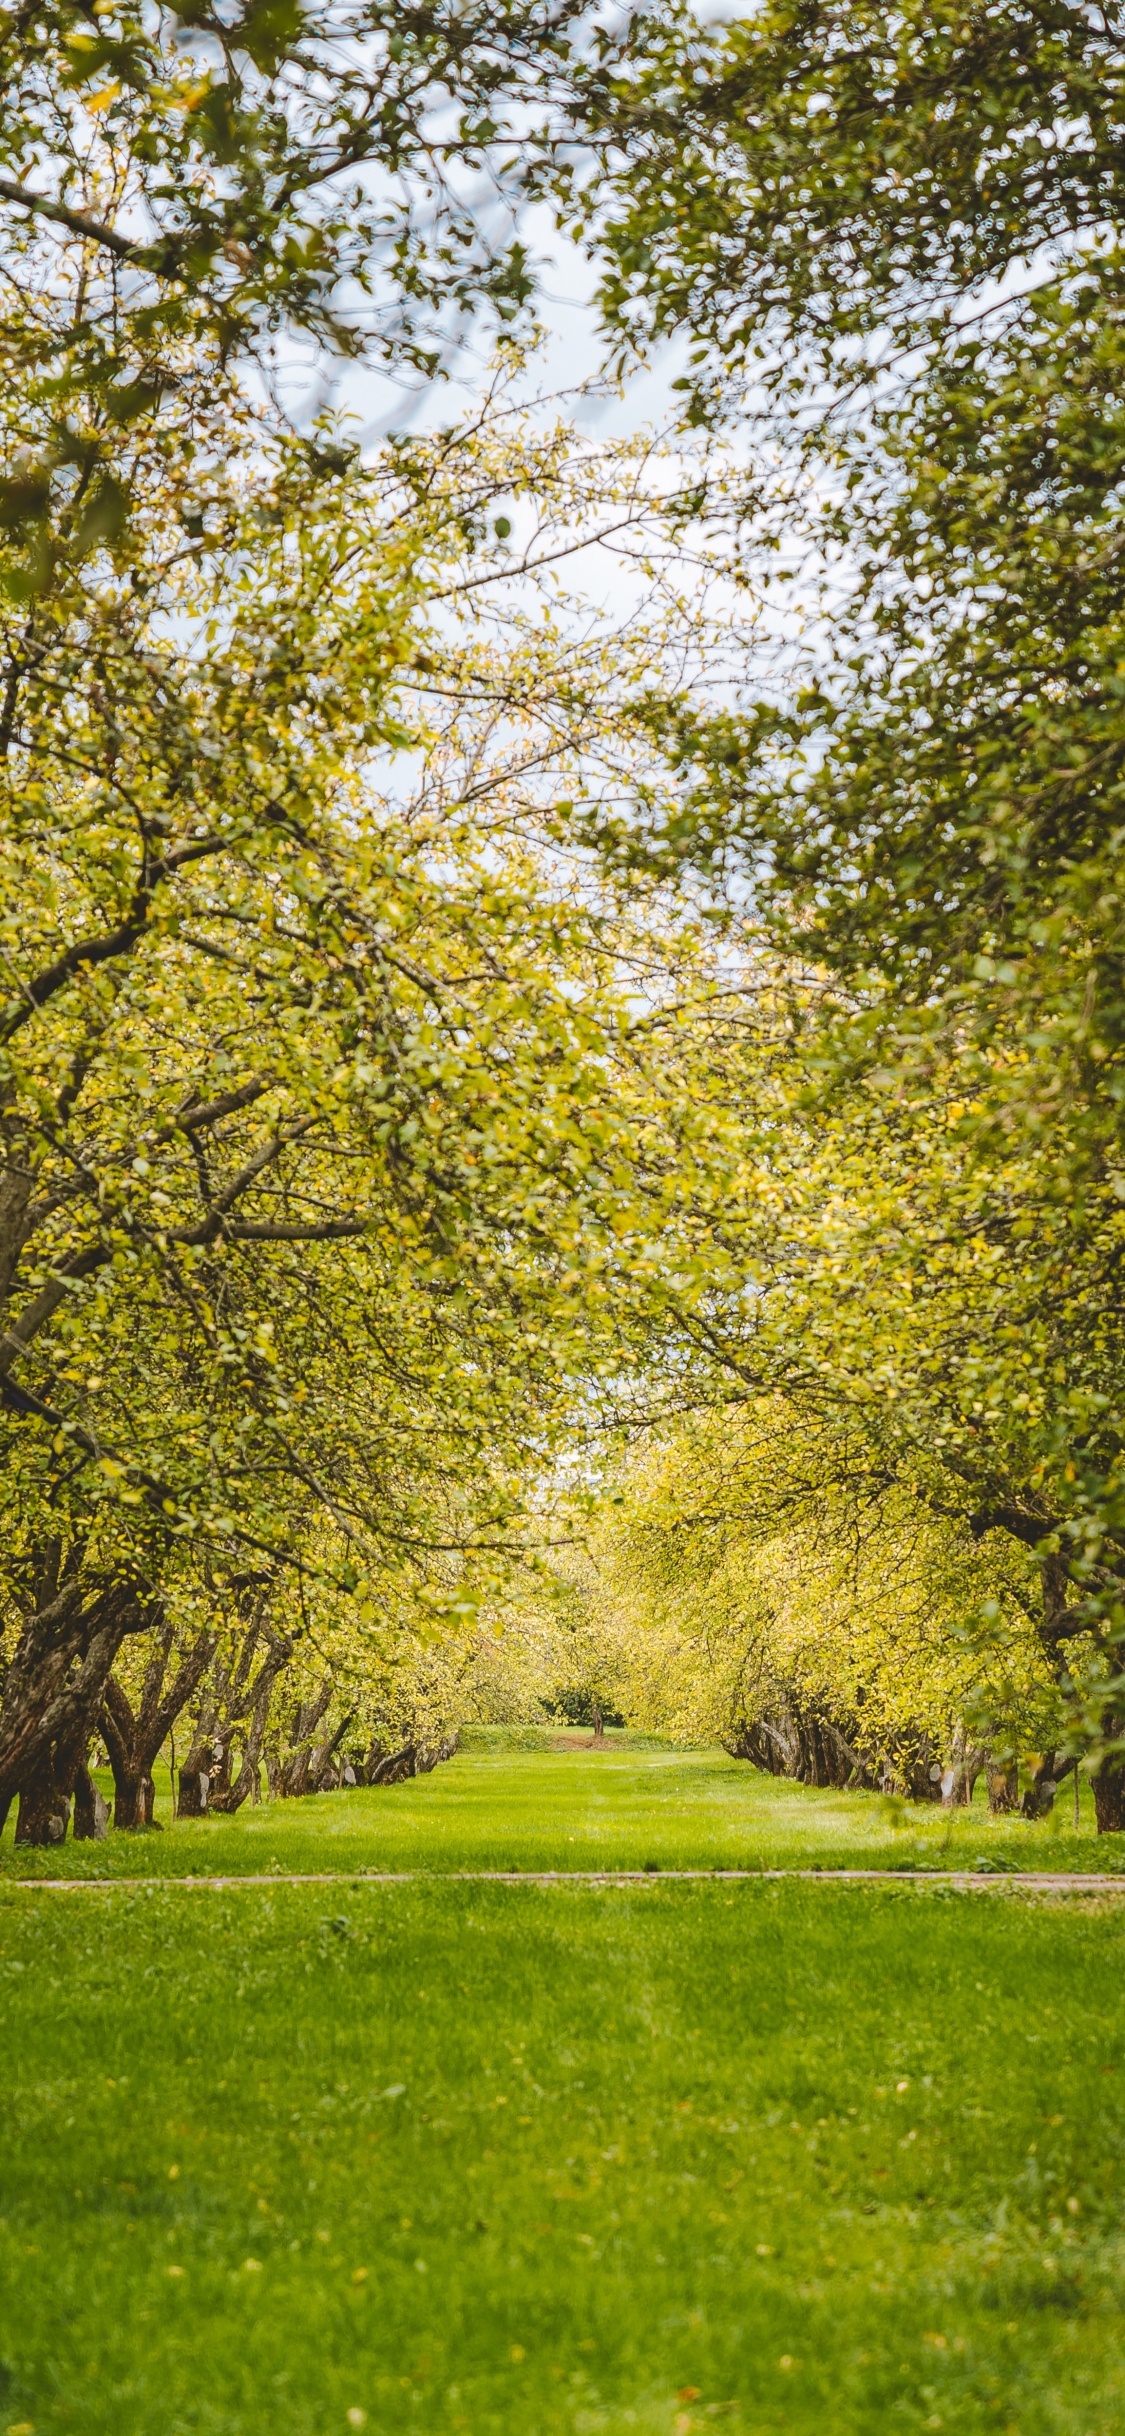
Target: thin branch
[(78, 222)]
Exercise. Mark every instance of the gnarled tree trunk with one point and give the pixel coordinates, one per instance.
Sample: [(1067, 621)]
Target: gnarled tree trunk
[(230, 1795), (53, 1690), (1109, 1798), (393, 1766), (295, 1773), (234, 1694), (134, 1740), (44, 1812), (1039, 1795)]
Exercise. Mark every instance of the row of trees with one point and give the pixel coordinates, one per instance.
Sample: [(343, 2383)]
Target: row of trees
[(239, 1701), (895, 242), (313, 1048), (319, 1067), (834, 1629), (438, 1035)]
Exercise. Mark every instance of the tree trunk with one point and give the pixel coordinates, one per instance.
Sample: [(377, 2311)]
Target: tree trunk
[(55, 1682), (320, 1762), (134, 1740), (432, 1754), (1109, 1795), (1039, 1797), (1003, 1785), (44, 1810), (292, 1779), (246, 1784), (52, 1690), (133, 1800), (959, 1778), (195, 1769), (91, 1810), (395, 1766), (218, 1791), (191, 1798)]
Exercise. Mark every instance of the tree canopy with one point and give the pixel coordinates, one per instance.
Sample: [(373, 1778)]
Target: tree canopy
[(438, 1037)]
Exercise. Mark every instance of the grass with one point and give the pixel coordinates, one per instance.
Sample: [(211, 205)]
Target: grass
[(584, 1810), (517, 2160), (480, 2158)]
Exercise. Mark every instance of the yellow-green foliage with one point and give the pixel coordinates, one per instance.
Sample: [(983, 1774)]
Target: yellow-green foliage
[(751, 1554)]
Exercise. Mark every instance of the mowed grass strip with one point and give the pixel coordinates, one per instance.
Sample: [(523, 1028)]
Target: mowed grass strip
[(618, 1809), (437, 2156)]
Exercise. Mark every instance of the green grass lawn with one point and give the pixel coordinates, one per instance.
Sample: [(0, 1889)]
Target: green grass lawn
[(525, 2159), (584, 1810), (436, 2155)]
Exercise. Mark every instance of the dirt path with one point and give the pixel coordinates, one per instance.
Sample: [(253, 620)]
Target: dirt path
[(966, 1881)]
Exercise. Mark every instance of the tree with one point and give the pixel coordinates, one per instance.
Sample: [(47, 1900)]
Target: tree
[(814, 189), (347, 176), (134, 1734), (304, 1206), (922, 809), (773, 1586)]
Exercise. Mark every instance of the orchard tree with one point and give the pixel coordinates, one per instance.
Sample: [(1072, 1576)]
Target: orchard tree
[(345, 176), (893, 243), (312, 1099), (774, 1587)]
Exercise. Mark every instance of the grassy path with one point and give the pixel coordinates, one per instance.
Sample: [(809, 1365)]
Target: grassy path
[(567, 2151), (580, 1810)]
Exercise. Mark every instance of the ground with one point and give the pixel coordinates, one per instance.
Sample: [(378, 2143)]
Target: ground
[(584, 1809), (442, 2155)]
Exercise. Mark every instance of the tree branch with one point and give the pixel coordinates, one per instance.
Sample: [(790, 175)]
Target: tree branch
[(78, 222)]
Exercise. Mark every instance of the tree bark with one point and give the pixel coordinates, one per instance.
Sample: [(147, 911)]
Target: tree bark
[(293, 1775), (133, 1741), (246, 1784), (1039, 1796), (432, 1755), (91, 1810), (205, 1776), (321, 1758), (394, 1766), (1003, 1785), (194, 1785), (44, 1811), (1109, 1781), (52, 1691)]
